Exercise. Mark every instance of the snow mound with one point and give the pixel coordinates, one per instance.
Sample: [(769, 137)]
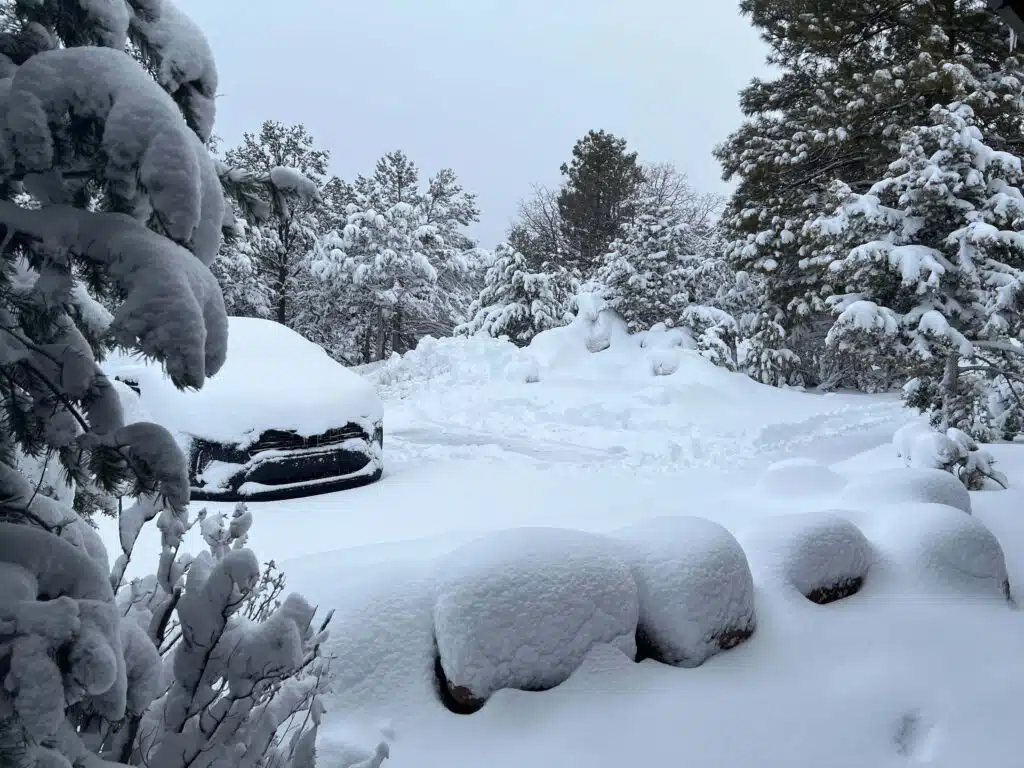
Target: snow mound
[(821, 555), (800, 477), (935, 545), (910, 484), (521, 609), (452, 362), (695, 587), (594, 329), (904, 437)]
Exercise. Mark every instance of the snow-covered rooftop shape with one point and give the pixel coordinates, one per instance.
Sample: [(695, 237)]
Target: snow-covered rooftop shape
[(273, 379)]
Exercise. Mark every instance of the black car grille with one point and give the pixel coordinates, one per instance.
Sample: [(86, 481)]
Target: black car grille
[(204, 451), (286, 440)]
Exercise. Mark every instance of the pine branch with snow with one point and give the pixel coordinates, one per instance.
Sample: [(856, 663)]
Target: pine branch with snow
[(80, 651)]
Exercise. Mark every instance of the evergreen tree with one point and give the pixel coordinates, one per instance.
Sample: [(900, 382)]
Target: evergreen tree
[(517, 302), (928, 269), (640, 276), (246, 291), (395, 179), (399, 265), (289, 215), (853, 76), (381, 265), (598, 198)]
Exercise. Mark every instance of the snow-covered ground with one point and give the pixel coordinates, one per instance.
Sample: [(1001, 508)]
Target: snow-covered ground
[(924, 665)]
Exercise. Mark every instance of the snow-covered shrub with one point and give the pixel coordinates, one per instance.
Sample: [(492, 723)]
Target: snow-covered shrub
[(521, 609), (821, 555), (954, 452), (932, 546), (908, 484), (863, 347), (696, 590), (241, 658), (664, 348), (763, 354), (599, 320)]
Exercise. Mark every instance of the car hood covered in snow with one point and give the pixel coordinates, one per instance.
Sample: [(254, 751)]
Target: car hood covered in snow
[(273, 379)]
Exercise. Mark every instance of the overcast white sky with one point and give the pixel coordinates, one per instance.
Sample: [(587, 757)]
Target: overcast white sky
[(499, 90)]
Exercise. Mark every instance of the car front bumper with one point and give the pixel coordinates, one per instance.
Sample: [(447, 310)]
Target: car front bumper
[(272, 475)]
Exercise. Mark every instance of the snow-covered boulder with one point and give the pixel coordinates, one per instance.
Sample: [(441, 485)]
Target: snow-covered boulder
[(909, 484), (799, 477), (934, 545), (696, 590), (521, 608), (821, 555)]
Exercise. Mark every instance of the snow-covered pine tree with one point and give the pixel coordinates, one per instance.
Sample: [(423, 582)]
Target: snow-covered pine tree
[(279, 176), (928, 269), (247, 293), (445, 205), (852, 77), (639, 276), (381, 261), (399, 264), (597, 199), (106, 182), (517, 302)]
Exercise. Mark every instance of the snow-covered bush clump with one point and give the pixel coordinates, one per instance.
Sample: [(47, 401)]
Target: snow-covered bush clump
[(954, 452), (933, 546), (910, 484), (800, 477), (696, 590), (522, 608), (240, 657), (821, 555)]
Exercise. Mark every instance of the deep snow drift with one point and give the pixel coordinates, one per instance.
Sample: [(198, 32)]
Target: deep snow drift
[(917, 658)]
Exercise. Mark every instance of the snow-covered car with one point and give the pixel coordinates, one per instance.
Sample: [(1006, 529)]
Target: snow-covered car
[(280, 420)]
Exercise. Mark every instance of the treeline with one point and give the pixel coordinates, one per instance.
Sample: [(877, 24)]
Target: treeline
[(366, 268)]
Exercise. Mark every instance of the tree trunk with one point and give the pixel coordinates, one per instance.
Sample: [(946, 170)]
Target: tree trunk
[(282, 290), (382, 334), (367, 341), (950, 379), (396, 331), (282, 308)]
